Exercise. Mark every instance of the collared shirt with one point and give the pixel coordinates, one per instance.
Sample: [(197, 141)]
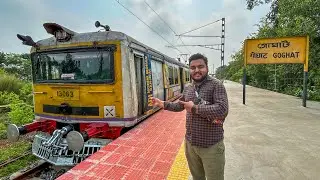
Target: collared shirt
[(201, 127)]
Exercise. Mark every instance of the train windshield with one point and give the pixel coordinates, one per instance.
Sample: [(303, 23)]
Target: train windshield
[(74, 67)]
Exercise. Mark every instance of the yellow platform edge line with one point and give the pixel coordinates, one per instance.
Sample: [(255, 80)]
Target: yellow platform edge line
[(179, 169)]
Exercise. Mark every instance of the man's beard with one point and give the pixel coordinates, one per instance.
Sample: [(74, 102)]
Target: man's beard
[(200, 80)]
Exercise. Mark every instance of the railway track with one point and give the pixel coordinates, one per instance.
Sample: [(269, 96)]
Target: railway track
[(39, 170), (29, 172), (14, 159)]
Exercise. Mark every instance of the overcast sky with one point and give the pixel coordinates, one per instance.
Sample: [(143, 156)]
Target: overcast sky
[(27, 17)]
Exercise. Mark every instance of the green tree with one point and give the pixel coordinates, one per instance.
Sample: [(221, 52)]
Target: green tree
[(16, 64), (286, 18)]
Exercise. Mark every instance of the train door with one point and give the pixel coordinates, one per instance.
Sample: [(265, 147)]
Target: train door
[(157, 79), (138, 62), (181, 79)]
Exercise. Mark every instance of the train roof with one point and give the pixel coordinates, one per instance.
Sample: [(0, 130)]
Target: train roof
[(110, 36)]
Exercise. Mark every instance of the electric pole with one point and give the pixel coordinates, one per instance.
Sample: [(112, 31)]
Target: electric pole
[(222, 47), (218, 47)]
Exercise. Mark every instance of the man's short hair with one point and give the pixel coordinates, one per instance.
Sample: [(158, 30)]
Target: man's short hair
[(198, 56)]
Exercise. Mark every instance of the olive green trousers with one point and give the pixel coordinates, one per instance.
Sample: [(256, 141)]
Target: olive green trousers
[(206, 163)]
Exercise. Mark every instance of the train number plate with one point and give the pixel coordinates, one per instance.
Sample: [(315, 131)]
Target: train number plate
[(67, 94)]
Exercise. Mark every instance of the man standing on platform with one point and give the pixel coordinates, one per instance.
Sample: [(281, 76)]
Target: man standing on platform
[(206, 103)]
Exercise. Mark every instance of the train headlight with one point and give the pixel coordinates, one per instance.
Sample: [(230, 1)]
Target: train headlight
[(75, 141), (13, 132)]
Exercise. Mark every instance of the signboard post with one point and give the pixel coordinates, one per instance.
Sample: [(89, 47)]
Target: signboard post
[(284, 50)]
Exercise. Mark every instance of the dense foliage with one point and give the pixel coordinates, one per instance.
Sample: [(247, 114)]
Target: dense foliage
[(16, 106), (16, 99), (286, 18)]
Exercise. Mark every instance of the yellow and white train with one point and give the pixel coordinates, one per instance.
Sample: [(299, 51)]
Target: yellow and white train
[(90, 86)]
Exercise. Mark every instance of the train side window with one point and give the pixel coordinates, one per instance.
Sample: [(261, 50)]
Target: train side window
[(187, 76), (176, 76), (171, 75)]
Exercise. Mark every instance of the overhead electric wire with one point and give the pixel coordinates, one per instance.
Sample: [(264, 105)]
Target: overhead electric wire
[(200, 27), (184, 44), (197, 36), (118, 1), (166, 24), (185, 32), (179, 45), (160, 17)]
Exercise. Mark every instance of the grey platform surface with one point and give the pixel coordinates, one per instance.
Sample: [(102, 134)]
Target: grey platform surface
[(271, 137)]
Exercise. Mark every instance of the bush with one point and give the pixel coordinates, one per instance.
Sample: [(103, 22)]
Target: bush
[(21, 113), (2, 126), (314, 94), (10, 83), (26, 93), (4, 121), (7, 98), (238, 75), (3, 131)]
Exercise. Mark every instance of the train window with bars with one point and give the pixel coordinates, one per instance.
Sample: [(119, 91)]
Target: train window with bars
[(171, 75), (176, 76), (187, 76)]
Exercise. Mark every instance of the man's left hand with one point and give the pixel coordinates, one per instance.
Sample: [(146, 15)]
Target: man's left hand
[(187, 105)]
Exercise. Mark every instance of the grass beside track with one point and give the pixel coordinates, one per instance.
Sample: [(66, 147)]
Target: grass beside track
[(13, 150)]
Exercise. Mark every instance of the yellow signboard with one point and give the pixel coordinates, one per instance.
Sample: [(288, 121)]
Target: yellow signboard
[(277, 50), (282, 50)]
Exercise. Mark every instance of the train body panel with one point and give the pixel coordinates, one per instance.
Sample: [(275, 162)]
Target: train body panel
[(91, 86)]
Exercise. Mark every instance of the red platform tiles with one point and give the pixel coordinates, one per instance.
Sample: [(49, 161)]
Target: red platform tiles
[(145, 152)]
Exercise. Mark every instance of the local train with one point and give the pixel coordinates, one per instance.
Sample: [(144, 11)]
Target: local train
[(89, 87)]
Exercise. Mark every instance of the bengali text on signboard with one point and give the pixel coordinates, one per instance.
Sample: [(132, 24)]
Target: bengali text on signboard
[(276, 50)]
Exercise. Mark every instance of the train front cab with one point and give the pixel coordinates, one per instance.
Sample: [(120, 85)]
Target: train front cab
[(75, 97)]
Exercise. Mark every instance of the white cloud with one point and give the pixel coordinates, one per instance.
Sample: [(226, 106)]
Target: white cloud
[(181, 15), (33, 14), (239, 24)]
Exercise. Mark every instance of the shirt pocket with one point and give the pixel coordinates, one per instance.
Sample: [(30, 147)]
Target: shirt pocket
[(190, 96), (207, 96)]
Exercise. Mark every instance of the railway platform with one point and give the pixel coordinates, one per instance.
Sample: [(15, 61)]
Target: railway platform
[(152, 150), (271, 137)]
